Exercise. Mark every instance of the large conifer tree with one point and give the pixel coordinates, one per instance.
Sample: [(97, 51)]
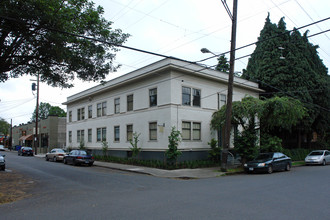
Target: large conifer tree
[(285, 63)]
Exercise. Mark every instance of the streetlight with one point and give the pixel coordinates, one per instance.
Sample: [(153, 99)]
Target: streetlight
[(233, 18), (205, 50)]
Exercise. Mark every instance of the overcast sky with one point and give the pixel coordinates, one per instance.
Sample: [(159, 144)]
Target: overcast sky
[(178, 28)]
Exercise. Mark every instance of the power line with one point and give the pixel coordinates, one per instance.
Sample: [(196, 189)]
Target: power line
[(259, 41)]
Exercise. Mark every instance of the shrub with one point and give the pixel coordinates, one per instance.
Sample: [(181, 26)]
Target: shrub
[(271, 143), (134, 143), (214, 153), (173, 153), (105, 147)]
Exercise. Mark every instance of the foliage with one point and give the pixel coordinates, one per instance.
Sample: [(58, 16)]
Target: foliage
[(297, 154), (4, 126), (105, 147), (35, 39), (214, 153), (281, 112), (172, 153), (270, 143), (134, 143), (223, 64), (158, 164), (301, 74), (45, 110), (82, 145), (246, 144)]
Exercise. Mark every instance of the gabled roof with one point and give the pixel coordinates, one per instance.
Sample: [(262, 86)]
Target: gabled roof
[(167, 63)]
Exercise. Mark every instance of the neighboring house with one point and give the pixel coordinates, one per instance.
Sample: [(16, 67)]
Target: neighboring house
[(51, 134), (150, 101)]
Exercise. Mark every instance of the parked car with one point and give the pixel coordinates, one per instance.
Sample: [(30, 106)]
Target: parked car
[(318, 157), (269, 162), (55, 154), (2, 162), (79, 157), (2, 148), (25, 151)]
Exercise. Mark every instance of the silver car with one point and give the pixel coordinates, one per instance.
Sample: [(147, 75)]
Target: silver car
[(318, 157), (55, 154), (2, 162)]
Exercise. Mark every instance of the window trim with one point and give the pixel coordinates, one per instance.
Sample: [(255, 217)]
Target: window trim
[(129, 132), (153, 98), (153, 130), (130, 102), (114, 133), (117, 105)]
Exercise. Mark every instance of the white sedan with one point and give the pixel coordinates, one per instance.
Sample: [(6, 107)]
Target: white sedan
[(318, 157)]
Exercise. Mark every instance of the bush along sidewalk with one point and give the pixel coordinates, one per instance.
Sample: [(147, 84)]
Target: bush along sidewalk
[(157, 163)]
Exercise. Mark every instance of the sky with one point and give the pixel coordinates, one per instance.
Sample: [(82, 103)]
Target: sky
[(177, 28)]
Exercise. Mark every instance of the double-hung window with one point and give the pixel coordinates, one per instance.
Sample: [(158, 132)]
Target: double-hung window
[(129, 132), (130, 103), (90, 111), (222, 100), (117, 134), (104, 108), (101, 134), (80, 136), (153, 97), (70, 136), (186, 127), (191, 96), (70, 116), (186, 93), (153, 131), (197, 97), (117, 105), (99, 109), (80, 114), (191, 130), (89, 139)]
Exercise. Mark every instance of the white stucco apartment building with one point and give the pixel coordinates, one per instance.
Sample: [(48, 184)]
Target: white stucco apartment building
[(150, 101)]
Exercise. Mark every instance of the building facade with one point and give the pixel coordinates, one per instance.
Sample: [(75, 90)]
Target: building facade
[(51, 134), (149, 102)]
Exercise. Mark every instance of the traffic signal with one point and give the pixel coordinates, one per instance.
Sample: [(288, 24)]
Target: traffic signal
[(34, 87)]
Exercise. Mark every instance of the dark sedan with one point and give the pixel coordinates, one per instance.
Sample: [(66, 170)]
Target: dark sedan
[(79, 157), (25, 151), (269, 162)]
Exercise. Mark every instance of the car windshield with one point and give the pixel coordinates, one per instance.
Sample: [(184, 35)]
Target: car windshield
[(27, 148), (60, 151), (316, 153), (264, 156)]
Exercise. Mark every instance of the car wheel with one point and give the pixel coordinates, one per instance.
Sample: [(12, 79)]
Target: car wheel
[(46, 158), (54, 159), (324, 163), (74, 163), (270, 169), (64, 161), (288, 167), (90, 164)]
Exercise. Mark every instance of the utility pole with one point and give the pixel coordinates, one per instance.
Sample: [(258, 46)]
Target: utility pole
[(230, 89), (36, 142)]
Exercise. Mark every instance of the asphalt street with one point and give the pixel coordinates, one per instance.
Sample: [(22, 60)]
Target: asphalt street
[(73, 192)]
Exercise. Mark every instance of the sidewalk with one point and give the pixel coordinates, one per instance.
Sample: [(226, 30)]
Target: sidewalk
[(180, 173)]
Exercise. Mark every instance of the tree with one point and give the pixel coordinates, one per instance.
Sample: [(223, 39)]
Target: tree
[(35, 39), (134, 143), (252, 115), (4, 126), (301, 75), (45, 110), (223, 64), (172, 153)]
